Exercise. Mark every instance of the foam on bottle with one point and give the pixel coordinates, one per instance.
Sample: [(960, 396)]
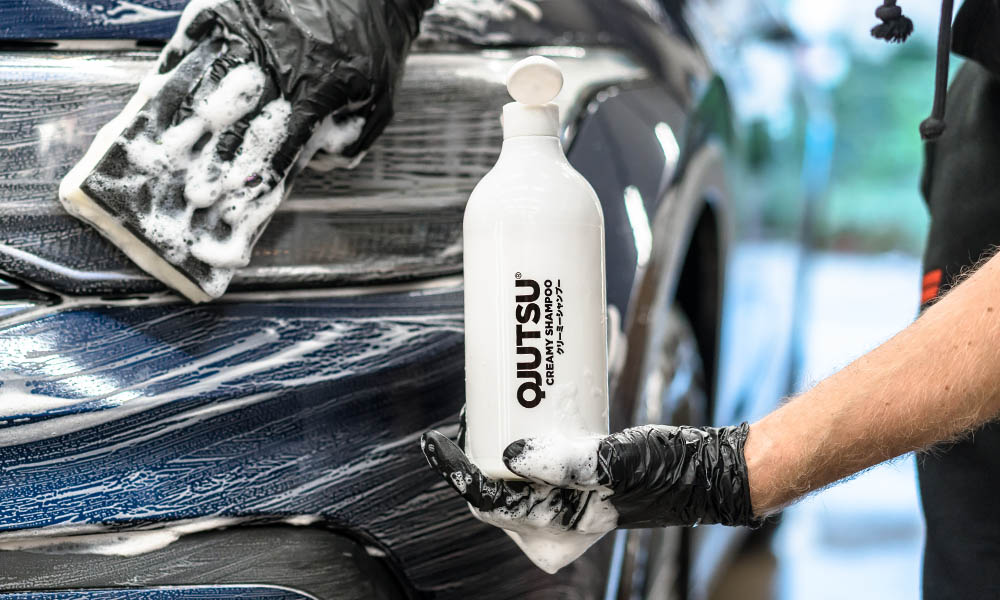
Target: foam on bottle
[(560, 461)]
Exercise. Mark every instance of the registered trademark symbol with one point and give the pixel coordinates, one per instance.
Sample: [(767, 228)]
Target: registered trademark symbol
[(517, 275)]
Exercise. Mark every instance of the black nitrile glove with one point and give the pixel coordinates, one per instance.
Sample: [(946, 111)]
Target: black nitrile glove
[(649, 476), (327, 58), (243, 95)]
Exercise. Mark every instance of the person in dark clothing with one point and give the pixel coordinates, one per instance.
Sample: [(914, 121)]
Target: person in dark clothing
[(961, 185), (935, 384)]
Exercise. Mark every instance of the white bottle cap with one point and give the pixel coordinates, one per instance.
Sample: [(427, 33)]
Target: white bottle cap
[(533, 82)]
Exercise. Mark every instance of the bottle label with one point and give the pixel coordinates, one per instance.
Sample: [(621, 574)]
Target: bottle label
[(538, 336)]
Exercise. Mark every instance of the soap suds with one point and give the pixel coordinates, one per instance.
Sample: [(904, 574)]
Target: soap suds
[(536, 524), (303, 520), (332, 138), (119, 403), (227, 195), (225, 203), (121, 12), (116, 543), (16, 398), (461, 481), (560, 461), (551, 552), (232, 208), (478, 13), (129, 13), (180, 41), (218, 188), (470, 19), (532, 527)]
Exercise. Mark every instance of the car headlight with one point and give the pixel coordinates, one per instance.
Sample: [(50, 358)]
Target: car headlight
[(396, 216)]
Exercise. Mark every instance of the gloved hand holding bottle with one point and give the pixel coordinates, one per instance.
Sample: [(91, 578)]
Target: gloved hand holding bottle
[(649, 476), (536, 364)]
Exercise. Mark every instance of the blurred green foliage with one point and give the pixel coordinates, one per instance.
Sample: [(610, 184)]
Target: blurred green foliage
[(874, 202)]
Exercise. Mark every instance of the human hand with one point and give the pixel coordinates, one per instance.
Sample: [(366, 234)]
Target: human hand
[(242, 97), (649, 476)]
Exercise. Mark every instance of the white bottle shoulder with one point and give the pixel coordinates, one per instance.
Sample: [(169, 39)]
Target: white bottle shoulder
[(532, 185)]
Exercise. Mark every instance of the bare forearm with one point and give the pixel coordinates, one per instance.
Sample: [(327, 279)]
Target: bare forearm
[(935, 380)]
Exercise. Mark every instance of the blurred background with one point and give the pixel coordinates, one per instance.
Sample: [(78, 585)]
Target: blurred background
[(859, 102)]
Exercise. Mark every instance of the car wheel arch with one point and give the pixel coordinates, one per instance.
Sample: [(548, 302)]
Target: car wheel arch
[(690, 239)]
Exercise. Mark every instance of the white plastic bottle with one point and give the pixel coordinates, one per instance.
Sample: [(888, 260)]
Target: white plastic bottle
[(535, 308)]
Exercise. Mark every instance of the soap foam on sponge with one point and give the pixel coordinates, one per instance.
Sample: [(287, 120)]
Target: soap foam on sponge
[(230, 209), (162, 191)]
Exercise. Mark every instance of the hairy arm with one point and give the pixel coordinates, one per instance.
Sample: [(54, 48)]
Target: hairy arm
[(934, 381)]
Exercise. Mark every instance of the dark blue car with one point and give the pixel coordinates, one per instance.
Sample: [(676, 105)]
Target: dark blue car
[(266, 445)]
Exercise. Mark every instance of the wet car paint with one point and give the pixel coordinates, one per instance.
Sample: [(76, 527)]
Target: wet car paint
[(260, 411)]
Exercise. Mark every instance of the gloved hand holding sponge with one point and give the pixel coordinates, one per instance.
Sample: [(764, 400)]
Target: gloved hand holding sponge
[(185, 178)]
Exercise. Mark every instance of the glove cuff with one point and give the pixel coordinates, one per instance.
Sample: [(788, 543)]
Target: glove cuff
[(734, 506), (662, 475)]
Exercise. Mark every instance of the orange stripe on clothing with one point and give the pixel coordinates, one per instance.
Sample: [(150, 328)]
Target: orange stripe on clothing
[(932, 283), (933, 278)]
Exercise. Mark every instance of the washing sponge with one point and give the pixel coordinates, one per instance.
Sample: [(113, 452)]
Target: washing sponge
[(186, 177)]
